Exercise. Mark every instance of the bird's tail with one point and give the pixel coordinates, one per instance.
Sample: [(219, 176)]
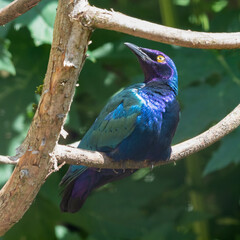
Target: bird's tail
[(79, 182)]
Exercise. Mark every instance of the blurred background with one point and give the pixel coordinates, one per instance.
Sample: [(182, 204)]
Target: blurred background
[(199, 197)]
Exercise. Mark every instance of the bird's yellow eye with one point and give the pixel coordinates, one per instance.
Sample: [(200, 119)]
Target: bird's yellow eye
[(160, 58)]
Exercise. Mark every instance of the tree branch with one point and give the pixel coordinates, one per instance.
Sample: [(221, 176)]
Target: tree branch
[(67, 56), (7, 160), (98, 18), (76, 156), (99, 160), (16, 9)]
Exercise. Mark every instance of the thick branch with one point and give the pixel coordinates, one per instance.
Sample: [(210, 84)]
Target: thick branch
[(96, 159), (16, 9), (67, 55), (76, 156), (99, 18)]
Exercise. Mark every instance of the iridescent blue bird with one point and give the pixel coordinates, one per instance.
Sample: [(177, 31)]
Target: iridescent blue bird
[(138, 123)]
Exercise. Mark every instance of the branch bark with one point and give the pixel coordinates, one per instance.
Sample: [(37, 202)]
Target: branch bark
[(67, 56), (16, 9), (99, 18), (95, 17)]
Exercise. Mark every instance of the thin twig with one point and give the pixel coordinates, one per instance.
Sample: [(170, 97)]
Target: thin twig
[(99, 18), (7, 160), (13, 160), (16, 9)]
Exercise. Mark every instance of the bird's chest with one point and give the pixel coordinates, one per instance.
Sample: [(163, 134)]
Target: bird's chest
[(152, 112)]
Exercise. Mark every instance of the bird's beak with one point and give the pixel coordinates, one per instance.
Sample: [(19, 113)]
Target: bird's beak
[(138, 51)]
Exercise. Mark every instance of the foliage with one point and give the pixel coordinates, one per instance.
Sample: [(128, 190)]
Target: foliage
[(171, 202)]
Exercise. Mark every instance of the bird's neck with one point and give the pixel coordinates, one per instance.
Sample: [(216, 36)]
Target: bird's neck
[(168, 85)]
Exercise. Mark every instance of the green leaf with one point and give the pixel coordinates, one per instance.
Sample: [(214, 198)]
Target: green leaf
[(182, 2), (103, 51), (63, 233), (37, 223), (227, 153), (141, 173), (5, 173), (6, 63), (195, 66), (219, 5), (18, 92), (4, 31), (205, 105), (39, 20)]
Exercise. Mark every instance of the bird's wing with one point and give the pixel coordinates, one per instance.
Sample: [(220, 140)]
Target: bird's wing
[(116, 121)]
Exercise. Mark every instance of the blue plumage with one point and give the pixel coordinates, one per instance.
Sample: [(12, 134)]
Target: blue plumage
[(138, 124)]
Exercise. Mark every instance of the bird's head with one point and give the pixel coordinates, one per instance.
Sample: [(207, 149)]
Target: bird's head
[(156, 66)]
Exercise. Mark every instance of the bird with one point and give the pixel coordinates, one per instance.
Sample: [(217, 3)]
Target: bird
[(138, 124)]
